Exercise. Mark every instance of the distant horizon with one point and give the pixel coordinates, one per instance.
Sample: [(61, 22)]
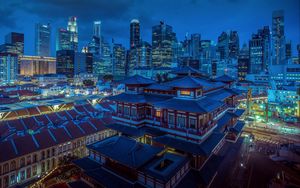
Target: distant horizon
[(20, 17)]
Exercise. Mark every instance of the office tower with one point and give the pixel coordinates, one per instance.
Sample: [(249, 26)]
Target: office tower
[(65, 62), (139, 57), (37, 65), (97, 29), (42, 39), (8, 68), (163, 38), (16, 39), (278, 38), (243, 63), (195, 45), (145, 54), (103, 64), (223, 46), (259, 51), (234, 44), (63, 40), (83, 63), (207, 54), (288, 50), (134, 33), (73, 29), (94, 46), (298, 49), (119, 60), (8, 48)]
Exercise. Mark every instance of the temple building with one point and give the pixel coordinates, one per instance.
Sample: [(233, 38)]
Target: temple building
[(168, 133)]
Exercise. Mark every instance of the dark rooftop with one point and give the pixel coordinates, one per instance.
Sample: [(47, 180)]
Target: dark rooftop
[(126, 151), (201, 105)]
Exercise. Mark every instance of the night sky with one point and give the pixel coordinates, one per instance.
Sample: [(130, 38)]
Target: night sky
[(209, 18)]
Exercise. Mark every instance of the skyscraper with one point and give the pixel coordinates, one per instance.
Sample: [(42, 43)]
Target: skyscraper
[(163, 38), (119, 60), (97, 29), (134, 33), (94, 46), (16, 39), (259, 51), (8, 68), (65, 62), (42, 39), (288, 50), (83, 63), (195, 45), (298, 49), (278, 38), (73, 29), (63, 40), (234, 44), (243, 63), (223, 46)]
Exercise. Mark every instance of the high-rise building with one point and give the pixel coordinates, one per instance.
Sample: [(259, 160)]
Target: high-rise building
[(65, 62), (195, 45), (223, 46), (163, 38), (37, 65), (298, 49), (83, 63), (63, 40), (8, 68), (73, 29), (119, 60), (278, 38), (42, 39), (288, 50), (243, 63), (94, 46), (16, 39), (234, 44), (103, 63), (8, 48), (134, 33), (259, 51), (97, 29)]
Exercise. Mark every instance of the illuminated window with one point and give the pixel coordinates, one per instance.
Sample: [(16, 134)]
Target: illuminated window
[(158, 113), (185, 93)]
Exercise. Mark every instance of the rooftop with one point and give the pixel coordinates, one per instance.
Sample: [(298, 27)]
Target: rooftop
[(126, 151)]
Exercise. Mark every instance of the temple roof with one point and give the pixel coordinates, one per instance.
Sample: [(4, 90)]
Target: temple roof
[(189, 82), (139, 97), (125, 150), (185, 82), (137, 80), (205, 148), (201, 105), (161, 87)]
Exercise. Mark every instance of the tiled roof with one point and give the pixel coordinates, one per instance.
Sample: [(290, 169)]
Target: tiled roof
[(201, 105), (126, 151), (139, 98), (204, 149), (161, 87)]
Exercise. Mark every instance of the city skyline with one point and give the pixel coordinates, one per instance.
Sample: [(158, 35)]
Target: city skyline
[(117, 16)]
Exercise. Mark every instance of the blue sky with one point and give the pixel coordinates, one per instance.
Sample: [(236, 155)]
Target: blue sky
[(209, 18)]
